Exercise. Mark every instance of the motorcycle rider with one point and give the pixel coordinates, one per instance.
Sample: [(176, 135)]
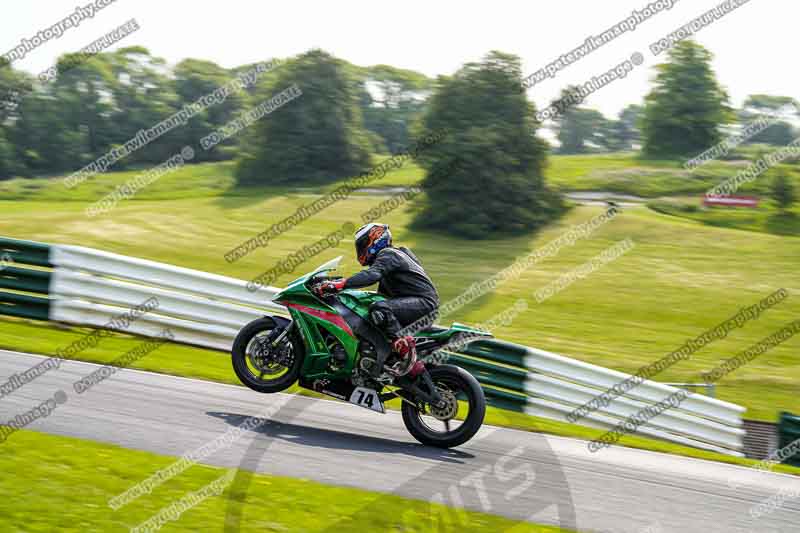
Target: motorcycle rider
[(410, 293)]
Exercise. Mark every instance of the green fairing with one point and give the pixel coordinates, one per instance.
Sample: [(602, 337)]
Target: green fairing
[(318, 355)]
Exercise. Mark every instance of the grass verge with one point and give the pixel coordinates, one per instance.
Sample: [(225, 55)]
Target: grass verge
[(53, 483)]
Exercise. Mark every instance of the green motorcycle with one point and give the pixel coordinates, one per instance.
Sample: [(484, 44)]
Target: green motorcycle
[(329, 346)]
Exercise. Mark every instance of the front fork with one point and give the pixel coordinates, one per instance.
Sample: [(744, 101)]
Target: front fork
[(269, 346), (283, 334)]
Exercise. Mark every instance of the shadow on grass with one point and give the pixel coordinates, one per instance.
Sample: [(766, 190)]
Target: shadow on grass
[(763, 220), (456, 258), (319, 183), (783, 223), (237, 197)]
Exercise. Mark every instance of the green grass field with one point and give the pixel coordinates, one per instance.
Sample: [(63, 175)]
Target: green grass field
[(681, 278), (618, 172), (765, 218), (65, 484), (625, 173)]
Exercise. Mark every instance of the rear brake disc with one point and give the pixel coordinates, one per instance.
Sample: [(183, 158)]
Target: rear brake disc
[(449, 409)]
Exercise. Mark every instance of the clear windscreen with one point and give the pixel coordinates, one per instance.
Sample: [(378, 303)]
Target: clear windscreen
[(333, 264)]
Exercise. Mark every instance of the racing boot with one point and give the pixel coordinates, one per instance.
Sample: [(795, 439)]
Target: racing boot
[(406, 348)]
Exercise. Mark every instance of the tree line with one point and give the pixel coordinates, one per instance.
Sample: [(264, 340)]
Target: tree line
[(485, 177), (96, 103)]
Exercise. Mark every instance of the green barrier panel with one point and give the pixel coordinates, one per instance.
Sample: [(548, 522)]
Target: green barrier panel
[(489, 374), (788, 432), (505, 400), (23, 306), (497, 351), (25, 252), (25, 279)]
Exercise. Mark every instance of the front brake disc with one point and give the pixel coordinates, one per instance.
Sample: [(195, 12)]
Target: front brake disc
[(259, 352)]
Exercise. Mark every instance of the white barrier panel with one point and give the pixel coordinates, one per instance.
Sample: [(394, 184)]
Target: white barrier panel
[(670, 421), (548, 409), (148, 325), (66, 284), (650, 392), (161, 275)]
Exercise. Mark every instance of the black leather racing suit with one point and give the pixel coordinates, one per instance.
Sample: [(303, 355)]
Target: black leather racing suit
[(410, 293)]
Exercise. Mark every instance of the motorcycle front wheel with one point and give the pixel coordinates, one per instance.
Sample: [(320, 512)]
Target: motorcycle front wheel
[(258, 364)]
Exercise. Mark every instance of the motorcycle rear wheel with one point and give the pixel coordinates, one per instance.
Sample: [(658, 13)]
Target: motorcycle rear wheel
[(251, 368), (460, 390)]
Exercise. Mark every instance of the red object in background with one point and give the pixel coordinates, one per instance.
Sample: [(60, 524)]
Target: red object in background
[(731, 201)]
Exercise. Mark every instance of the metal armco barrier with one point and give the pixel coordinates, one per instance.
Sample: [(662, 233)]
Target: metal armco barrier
[(26, 252), (87, 287), (789, 432), (760, 439), (14, 253), (549, 385)]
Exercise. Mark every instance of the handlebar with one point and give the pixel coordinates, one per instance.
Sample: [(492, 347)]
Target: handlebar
[(317, 280)]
